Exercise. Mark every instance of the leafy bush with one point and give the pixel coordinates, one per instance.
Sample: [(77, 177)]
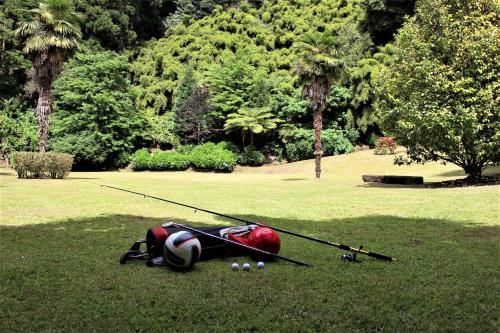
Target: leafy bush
[(274, 151), (301, 147), (168, 160), (94, 116), (18, 127), (299, 150), (41, 165), (251, 157), (185, 149), (227, 145), (385, 145), (372, 140), (140, 160), (336, 141), (59, 165), (210, 156)]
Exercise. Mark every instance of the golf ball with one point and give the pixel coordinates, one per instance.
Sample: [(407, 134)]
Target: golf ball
[(235, 267), (260, 265), (246, 267)]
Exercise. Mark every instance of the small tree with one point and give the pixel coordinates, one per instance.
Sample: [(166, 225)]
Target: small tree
[(194, 120), (95, 119), (439, 96), (256, 120), (184, 89), (318, 65), (235, 85), (48, 38)]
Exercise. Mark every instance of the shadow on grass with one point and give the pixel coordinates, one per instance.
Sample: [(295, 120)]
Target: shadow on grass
[(453, 173), (444, 279)]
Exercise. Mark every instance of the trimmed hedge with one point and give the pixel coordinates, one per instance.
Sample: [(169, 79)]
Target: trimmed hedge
[(251, 157), (42, 165), (140, 160), (210, 156), (168, 160)]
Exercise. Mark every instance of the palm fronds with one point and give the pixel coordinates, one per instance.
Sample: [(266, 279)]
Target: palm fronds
[(51, 27)]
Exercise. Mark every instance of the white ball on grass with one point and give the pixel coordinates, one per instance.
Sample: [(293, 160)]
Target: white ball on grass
[(246, 267), (260, 265), (235, 267)]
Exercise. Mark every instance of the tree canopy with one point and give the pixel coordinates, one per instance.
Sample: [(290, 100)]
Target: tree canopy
[(440, 93)]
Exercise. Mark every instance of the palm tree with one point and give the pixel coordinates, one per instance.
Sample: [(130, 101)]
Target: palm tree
[(48, 38), (317, 66), (254, 120)]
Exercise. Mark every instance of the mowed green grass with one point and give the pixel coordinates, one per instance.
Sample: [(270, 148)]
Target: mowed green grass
[(61, 239)]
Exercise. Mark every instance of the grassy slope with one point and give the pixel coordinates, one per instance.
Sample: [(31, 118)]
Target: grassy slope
[(71, 233)]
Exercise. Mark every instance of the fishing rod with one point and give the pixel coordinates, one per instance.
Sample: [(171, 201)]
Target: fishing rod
[(321, 241)]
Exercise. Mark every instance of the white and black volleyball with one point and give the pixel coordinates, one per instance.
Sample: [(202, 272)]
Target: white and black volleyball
[(182, 249)]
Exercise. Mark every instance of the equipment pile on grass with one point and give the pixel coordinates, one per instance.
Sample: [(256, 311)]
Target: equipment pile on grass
[(42, 165)]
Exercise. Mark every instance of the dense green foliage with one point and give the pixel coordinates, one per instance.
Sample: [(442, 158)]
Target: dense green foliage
[(301, 141), (18, 129), (194, 121), (250, 156), (210, 156), (440, 94), (120, 24), (41, 165), (95, 118), (168, 160), (254, 120), (140, 160), (198, 67), (12, 63)]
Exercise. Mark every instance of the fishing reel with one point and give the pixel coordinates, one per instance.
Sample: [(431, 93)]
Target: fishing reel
[(352, 256)]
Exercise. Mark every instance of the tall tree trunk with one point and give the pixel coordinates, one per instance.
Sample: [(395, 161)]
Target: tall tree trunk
[(318, 149), (243, 138), (251, 138), (42, 113), (47, 66), (317, 92)]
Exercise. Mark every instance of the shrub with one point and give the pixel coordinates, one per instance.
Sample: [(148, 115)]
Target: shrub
[(185, 149), (59, 165), (140, 160), (385, 145), (274, 152), (41, 165), (210, 156), (168, 160), (335, 141), (251, 157), (372, 140), (18, 127), (227, 145), (299, 150)]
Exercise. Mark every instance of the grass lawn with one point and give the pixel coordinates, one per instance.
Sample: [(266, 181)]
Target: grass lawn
[(61, 240)]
